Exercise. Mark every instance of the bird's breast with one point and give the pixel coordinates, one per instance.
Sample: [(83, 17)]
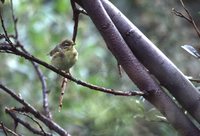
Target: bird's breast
[(65, 61)]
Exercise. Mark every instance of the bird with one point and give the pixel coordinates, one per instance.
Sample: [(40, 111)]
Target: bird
[(64, 55)]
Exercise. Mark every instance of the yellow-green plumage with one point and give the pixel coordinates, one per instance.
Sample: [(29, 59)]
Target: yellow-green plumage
[(64, 56)]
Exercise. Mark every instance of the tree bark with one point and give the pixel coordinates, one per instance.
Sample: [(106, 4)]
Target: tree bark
[(156, 62), (135, 70)]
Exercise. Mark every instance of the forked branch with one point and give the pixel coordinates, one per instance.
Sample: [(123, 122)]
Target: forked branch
[(187, 17)]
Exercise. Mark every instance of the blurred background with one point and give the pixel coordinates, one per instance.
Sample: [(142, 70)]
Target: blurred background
[(44, 23)]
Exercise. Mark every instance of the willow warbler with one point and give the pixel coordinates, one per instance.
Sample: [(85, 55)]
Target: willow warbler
[(64, 55)]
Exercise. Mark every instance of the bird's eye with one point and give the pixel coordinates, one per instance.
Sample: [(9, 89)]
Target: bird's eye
[(66, 44)]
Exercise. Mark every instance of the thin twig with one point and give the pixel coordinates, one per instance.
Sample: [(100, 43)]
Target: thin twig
[(3, 128), (75, 18), (4, 29), (177, 13), (76, 13), (194, 80), (25, 124), (34, 120), (44, 90), (189, 17), (9, 130), (14, 20), (43, 83), (49, 123)]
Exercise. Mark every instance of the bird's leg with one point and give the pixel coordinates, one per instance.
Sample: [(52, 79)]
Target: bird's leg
[(63, 88)]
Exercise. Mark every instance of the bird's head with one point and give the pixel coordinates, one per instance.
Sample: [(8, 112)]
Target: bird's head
[(64, 45)]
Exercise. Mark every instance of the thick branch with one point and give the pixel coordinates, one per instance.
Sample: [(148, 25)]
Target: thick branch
[(156, 62), (136, 72)]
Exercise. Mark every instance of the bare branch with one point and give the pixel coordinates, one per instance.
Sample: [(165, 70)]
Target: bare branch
[(64, 74), (49, 123), (177, 13), (195, 80), (43, 82), (5, 31), (34, 120), (25, 124), (4, 130), (36, 67), (76, 13), (8, 130), (14, 20), (75, 18), (189, 17)]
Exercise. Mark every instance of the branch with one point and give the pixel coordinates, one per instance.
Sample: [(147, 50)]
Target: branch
[(189, 17), (4, 29), (168, 75), (34, 120), (36, 67), (101, 17), (49, 123), (44, 85), (25, 124), (76, 13), (64, 74), (4, 130), (8, 130), (75, 18), (26, 55), (194, 80), (14, 20)]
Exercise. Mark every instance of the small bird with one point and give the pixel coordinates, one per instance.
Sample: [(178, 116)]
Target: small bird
[(64, 55)]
